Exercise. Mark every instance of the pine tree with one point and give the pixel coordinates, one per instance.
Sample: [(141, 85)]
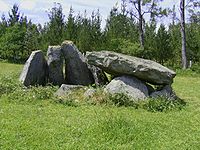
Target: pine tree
[(150, 41), (55, 26), (14, 15), (3, 25), (84, 28), (95, 32), (164, 51), (70, 32)]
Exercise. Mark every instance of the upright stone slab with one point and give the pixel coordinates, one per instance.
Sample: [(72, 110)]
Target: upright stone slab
[(98, 75), (55, 65), (76, 69), (129, 86), (120, 64), (35, 70)]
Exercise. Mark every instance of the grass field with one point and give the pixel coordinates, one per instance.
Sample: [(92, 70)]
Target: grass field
[(43, 125)]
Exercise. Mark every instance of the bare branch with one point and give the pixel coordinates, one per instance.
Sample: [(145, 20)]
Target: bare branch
[(135, 6), (150, 9), (134, 15), (187, 4)]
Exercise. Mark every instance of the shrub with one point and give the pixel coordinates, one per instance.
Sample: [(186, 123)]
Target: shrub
[(162, 104), (120, 99)]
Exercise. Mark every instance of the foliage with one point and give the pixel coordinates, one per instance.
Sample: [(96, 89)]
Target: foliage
[(162, 105), (19, 36), (55, 26)]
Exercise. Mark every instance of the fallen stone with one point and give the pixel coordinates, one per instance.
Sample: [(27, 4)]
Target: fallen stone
[(120, 64), (67, 89), (55, 65), (89, 93), (129, 86), (76, 69), (35, 70), (166, 92)]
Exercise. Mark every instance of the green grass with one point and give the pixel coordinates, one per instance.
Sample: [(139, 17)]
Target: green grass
[(43, 124), (8, 69)]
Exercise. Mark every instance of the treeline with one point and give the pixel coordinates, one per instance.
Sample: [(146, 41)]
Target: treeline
[(19, 36)]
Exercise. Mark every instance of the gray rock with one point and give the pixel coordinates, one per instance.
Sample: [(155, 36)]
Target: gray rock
[(67, 89), (166, 92), (128, 85), (120, 64), (76, 70), (35, 70), (89, 93), (55, 65), (99, 76)]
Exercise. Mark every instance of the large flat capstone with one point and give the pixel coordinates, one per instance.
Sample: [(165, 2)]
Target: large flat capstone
[(120, 64)]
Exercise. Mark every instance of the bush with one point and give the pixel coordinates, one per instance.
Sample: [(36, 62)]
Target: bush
[(162, 104), (196, 67), (121, 99)]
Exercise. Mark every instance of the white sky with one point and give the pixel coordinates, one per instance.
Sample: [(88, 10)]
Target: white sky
[(36, 10)]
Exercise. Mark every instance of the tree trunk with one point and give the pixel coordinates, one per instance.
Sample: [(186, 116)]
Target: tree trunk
[(183, 35), (141, 31)]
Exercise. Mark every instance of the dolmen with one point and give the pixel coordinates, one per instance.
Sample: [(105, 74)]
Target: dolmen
[(134, 76), (65, 66)]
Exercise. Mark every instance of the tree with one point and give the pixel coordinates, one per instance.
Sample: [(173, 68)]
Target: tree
[(70, 32), (183, 35), (15, 40), (194, 11), (12, 43), (150, 41), (175, 43), (14, 15), (120, 29), (84, 30), (31, 39), (95, 32), (55, 26), (164, 51), (142, 7), (183, 6)]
